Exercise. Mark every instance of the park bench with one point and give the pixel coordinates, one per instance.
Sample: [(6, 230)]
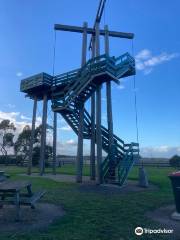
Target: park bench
[(12, 192)]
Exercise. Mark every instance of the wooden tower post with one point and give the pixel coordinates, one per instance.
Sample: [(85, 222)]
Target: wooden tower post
[(43, 135), (92, 156), (32, 136), (79, 161), (98, 114), (54, 141), (109, 110)]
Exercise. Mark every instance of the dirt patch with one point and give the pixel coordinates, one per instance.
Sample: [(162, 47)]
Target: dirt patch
[(163, 216), (31, 219), (109, 189)]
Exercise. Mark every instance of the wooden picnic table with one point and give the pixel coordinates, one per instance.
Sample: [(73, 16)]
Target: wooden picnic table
[(11, 193)]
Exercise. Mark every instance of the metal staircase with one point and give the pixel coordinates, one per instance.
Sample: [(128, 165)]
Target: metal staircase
[(124, 154), (82, 83), (75, 87), (69, 90)]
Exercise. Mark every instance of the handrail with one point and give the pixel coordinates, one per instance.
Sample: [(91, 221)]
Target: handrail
[(84, 75), (66, 73), (78, 71)]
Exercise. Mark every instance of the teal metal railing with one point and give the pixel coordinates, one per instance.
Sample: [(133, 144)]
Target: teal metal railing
[(79, 79), (131, 152)]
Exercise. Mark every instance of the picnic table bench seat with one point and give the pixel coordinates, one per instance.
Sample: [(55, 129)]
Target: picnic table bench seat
[(11, 193), (25, 199)]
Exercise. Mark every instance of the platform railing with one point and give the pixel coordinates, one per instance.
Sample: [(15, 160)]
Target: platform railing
[(125, 165), (93, 67), (65, 78)]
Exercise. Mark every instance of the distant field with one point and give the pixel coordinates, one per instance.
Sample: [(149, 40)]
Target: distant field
[(93, 215)]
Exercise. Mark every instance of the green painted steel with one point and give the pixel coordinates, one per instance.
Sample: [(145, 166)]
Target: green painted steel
[(125, 165), (41, 80), (84, 82), (69, 90)]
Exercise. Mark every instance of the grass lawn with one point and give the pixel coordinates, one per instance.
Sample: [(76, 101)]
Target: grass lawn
[(96, 216), (65, 169)]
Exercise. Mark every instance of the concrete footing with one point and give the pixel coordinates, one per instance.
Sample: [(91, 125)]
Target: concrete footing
[(143, 179)]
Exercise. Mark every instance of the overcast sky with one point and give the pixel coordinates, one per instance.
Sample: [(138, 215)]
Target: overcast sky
[(26, 47)]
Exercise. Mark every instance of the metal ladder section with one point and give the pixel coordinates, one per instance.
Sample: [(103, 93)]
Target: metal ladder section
[(79, 86)]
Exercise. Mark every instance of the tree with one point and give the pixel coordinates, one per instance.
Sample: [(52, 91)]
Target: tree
[(175, 161), (36, 155), (21, 146), (6, 136), (36, 148)]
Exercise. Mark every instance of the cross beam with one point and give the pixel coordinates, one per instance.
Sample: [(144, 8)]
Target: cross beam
[(77, 29)]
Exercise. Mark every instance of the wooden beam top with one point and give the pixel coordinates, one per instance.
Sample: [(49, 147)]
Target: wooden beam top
[(77, 29)]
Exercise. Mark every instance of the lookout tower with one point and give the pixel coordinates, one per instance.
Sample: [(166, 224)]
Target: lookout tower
[(68, 93)]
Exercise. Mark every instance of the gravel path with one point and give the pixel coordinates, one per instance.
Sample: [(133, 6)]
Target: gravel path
[(58, 177)]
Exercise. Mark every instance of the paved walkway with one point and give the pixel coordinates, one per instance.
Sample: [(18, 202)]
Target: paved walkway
[(91, 186), (59, 177)]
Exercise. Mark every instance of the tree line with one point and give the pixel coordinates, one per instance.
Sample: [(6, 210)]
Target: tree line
[(20, 145)]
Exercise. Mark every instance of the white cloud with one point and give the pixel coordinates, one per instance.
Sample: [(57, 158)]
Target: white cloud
[(9, 115), (71, 142), (121, 87), (65, 128), (39, 119), (160, 151), (9, 105), (145, 61), (19, 74), (13, 117), (19, 120), (25, 118), (144, 54), (69, 147)]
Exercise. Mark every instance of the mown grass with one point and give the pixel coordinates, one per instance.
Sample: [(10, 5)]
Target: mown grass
[(69, 169), (98, 216)]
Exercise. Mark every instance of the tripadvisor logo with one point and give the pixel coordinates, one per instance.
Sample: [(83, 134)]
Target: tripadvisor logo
[(139, 231)]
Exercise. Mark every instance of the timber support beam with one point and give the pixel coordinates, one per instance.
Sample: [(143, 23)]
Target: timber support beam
[(68, 28)]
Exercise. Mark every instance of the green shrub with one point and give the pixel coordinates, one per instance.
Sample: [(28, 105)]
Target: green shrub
[(175, 161)]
